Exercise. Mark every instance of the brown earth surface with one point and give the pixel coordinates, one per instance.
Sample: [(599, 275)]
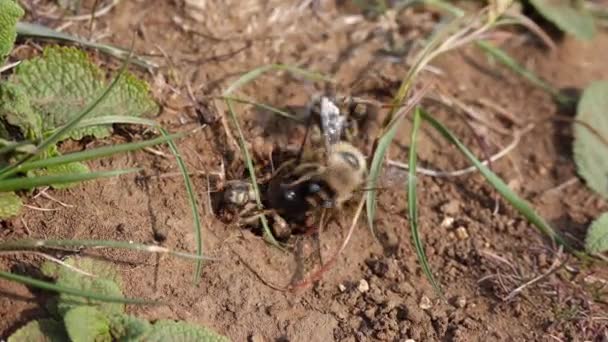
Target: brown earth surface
[(480, 249)]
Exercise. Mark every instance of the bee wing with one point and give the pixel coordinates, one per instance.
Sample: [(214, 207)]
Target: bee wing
[(332, 122)]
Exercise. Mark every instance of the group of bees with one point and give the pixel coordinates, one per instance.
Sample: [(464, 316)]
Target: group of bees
[(322, 175)]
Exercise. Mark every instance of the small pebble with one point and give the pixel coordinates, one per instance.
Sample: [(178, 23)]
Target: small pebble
[(461, 233), (341, 287), (363, 286), (425, 303), (461, 302), (410, 340), (447, 222)]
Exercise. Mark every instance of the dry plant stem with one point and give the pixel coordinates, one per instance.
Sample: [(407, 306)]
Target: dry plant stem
[(324, 268), (9, 66), (51, 198), (534, 28), (51, 258), (450, 102), (500, 110), (556, 264), (40, 209), (435, 173)]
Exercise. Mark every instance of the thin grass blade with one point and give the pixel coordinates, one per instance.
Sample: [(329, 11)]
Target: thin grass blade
[(257, 72), (25, 183), (249, 162), (193, 204), (42, 32), (512, 64), (96, 153), (374, 173), (521, 205), (71, 291), (412, 205)]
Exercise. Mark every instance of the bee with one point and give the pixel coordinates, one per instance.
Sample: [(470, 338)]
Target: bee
[(308, 182)]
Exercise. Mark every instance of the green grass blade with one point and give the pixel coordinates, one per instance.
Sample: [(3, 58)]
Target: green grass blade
[(42, 32), (264, 106), (257, 72), (96, 153), (249, 162), (519, 69), (374, 173), (193, 204), (115, 119), (25, 244), (71, 291), (412, 205), (521, 205), (23, 183)]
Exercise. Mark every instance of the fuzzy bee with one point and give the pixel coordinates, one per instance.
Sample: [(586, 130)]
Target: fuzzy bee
[(319, 180)]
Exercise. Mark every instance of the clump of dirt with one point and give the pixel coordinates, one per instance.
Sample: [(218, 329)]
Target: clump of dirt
[(501, 279)]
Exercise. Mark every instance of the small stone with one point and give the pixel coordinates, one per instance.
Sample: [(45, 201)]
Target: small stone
[(447, 222), (363, 286), (425, 303), (410, 340), (461, 302), (461, 233), (341, 287)]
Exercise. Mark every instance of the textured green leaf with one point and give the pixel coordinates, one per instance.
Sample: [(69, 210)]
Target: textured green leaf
[(171, 331), (44, 330), (591, 150), (563, 13), (17, 116), (106, 281), (10, 204), (63, 81), (87, 324), (125, 328), (10, 13), (597, 235)]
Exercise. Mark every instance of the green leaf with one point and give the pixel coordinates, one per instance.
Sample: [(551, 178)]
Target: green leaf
[(17, 117), (169, 331), (597, 235), (69, 168), (86, 324), (106, 281), (10, 204), (24, 183), (63, 81), (125, 328), (10, 13), (591, 137), (43, 330), (563, 13)]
